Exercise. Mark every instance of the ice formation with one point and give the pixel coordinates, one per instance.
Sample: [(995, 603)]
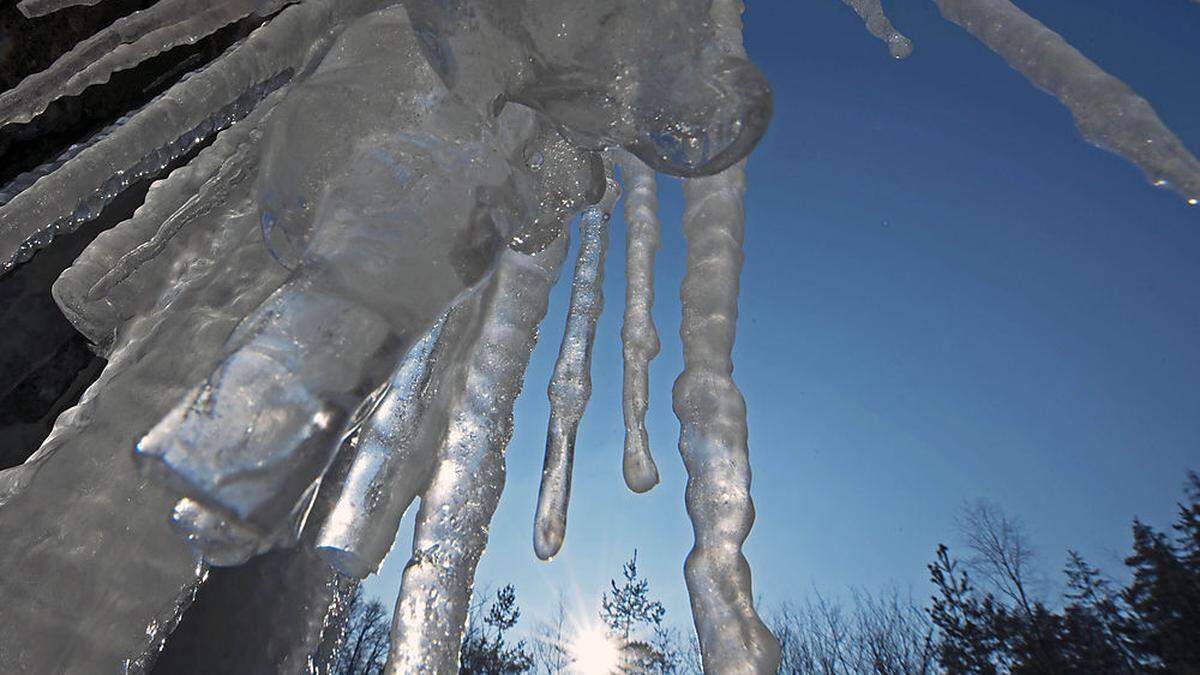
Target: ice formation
[(327, 312), (638, 336), (1107, 112), (871, 12), (571, 384)]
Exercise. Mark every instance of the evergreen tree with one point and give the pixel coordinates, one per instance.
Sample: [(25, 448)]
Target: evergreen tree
[(1150, 626), (1188, 525), (1094, 640), (628, 607), (969, 641), (486, 652), (1164, 596)]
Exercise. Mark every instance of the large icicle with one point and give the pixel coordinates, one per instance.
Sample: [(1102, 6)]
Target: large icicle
[(465, 488), (871, 12), (712, 415), (638, 335), (1107, 112), (571, 384), (182, 117), (128, 42), (391, 463)]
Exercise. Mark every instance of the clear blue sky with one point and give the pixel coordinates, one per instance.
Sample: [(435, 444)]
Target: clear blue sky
[(947, 295)]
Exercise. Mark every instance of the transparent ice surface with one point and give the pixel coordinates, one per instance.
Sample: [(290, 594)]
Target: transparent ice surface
[(871, 12), (1107, 112), (456, 507), (571, 383), (638, 336), (375, 166)]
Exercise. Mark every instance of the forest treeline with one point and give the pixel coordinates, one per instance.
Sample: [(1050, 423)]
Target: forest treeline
[(988, 614)]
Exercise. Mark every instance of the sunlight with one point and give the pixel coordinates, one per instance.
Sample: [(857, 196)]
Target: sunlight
[(594, 653)]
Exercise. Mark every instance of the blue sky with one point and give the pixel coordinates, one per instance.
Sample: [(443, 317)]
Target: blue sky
[(948, 295)]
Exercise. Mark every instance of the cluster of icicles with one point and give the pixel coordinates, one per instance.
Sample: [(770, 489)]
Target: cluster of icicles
[(250, 375)]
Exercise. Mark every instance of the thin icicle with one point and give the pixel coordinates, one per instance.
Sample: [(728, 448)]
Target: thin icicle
[(871, 12), (184, 116), (123, 45), (638, 335), (32, 8), (712, 415), (390, 463), (457, 506), (571, 384), (1107, 112)]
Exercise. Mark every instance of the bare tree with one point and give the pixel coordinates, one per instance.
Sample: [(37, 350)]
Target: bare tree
[(1000, 553), (892, 636), (550, 641), (887, 634), (814, 637), (364, 646)]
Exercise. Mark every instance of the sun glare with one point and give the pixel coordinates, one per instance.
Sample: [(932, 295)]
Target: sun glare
[(594, 653)]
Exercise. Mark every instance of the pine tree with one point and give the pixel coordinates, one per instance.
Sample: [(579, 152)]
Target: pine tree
[(1093, 638), (628, 607), (484, 654), (1165, 592), (968, 640)]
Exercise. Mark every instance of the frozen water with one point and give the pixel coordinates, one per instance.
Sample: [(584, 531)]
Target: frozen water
[(390, 463), (571, 384), (1107, 112), (458, 504), (871, 12), (638, 335), (373, 165)]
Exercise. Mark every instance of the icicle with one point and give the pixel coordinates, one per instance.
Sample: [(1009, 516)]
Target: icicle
[(871, 12), (391, 463), (85, 291), (1107, 112), (465, 488), (23, 181), (211, 191), (571, 384), (32, 8), (639, 338), (712, 415), (126, 43), (182, 117)]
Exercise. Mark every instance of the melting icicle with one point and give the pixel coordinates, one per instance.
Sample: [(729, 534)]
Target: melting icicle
[(128, 42), (1107, 112), (390, 464), (871, 12), (712, 416), (571, 384), (457, 506), (639, 338)]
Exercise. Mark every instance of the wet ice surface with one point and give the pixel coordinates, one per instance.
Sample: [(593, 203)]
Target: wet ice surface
[(571, 384), (638, 335), (308, 327)]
